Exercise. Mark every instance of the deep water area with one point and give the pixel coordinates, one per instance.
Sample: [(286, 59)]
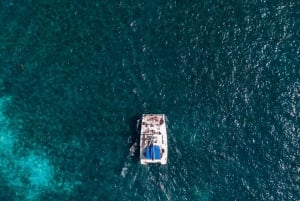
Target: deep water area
[(75, 76)]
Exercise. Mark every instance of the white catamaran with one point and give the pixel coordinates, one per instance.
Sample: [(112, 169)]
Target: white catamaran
[(153, 139)]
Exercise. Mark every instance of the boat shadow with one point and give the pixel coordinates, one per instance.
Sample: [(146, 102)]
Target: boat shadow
[(134, 138)]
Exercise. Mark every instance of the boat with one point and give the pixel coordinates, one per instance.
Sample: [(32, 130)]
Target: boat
[(153, 139)]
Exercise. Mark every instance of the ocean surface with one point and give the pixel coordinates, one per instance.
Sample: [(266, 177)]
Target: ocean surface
[(75, 76)]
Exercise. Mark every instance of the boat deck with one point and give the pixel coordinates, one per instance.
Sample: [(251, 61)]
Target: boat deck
[(153, 133)]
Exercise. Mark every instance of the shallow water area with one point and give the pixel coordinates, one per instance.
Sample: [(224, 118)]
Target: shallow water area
[(75, 76)]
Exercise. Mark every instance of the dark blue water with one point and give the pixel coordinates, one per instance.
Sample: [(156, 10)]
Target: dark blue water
[(76, 75)]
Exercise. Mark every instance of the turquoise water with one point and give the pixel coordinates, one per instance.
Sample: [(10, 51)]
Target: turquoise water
[(75, 76)]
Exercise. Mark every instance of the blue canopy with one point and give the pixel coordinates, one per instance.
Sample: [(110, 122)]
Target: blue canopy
[(152, 152)]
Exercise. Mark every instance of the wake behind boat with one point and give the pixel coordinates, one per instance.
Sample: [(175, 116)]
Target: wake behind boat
[(153, 139)]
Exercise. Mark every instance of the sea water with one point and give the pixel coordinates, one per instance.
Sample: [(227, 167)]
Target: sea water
[(75, 76)]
